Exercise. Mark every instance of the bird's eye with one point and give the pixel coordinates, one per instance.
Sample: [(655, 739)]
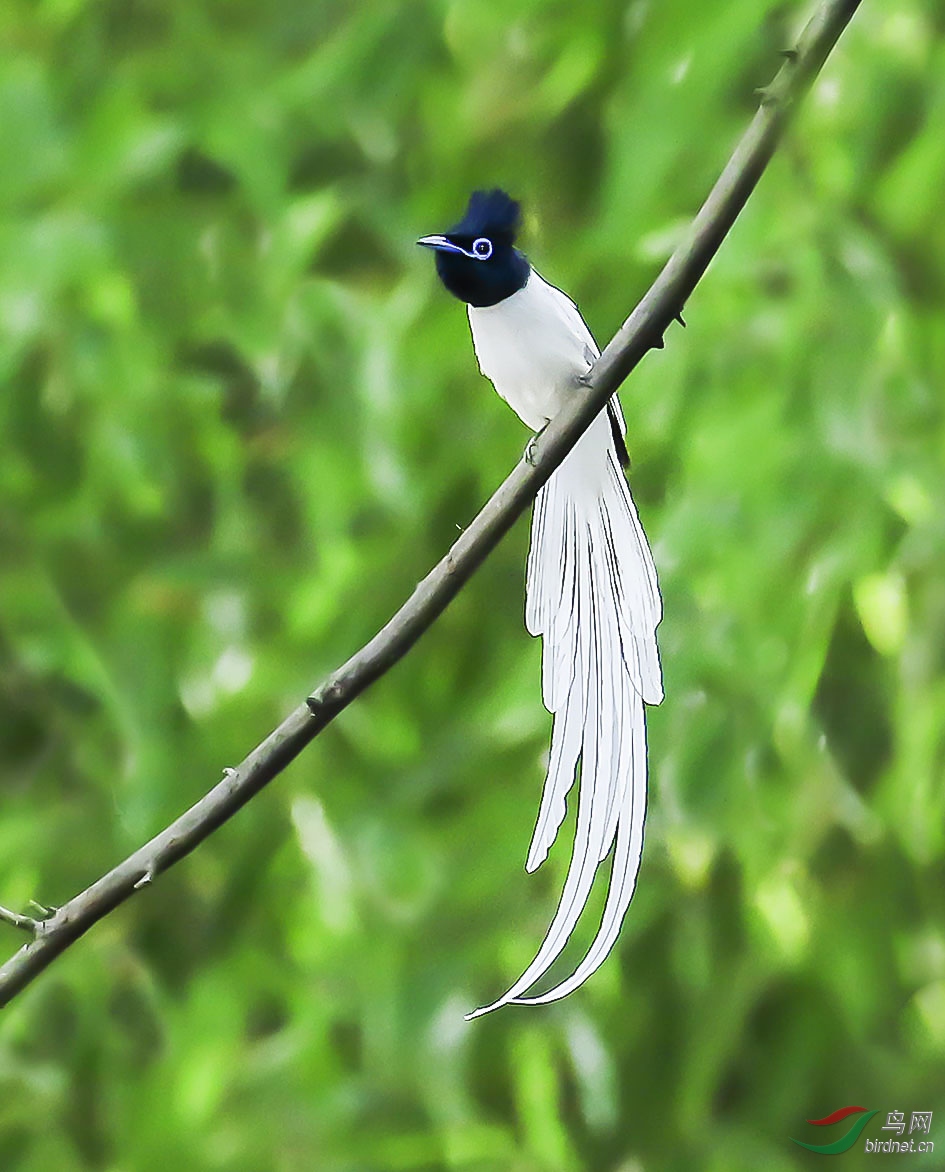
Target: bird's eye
[(482, 248)]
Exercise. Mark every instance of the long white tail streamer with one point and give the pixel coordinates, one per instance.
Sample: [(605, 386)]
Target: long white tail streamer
[(592, 595)]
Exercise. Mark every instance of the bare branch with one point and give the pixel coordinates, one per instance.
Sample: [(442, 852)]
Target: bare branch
[(641, 332)]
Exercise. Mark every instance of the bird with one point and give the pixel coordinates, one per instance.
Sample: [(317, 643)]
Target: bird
[(591, 588)]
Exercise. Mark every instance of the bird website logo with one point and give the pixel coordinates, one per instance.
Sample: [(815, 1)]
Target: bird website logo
[(920, 1123)]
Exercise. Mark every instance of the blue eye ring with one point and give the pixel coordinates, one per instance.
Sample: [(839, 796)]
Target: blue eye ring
[(482, 248)]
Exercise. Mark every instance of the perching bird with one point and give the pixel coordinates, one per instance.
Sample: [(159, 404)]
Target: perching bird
[(591, 589)]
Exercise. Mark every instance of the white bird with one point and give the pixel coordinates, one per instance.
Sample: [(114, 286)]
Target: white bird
[(591, 587)]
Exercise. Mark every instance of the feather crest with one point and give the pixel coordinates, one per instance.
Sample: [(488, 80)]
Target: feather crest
[(494, 214)]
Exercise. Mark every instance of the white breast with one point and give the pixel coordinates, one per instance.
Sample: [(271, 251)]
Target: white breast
[(533, 346)]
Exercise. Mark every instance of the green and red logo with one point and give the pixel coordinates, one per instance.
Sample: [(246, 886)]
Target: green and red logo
[(848, 1139)]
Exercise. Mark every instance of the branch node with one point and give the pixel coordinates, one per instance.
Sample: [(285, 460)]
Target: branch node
[(229, 771), (324, 698), (789, 54)]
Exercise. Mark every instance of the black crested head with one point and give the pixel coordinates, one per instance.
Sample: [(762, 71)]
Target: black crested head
[(476, 259), (494, 214)]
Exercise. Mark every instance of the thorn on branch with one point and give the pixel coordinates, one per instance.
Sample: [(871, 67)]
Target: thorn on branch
[(679, 318), (766, 95), (146, 879)]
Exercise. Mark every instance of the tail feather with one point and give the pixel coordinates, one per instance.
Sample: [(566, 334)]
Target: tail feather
[(591, 821), (592, 594), (624, 697), (622, 879)]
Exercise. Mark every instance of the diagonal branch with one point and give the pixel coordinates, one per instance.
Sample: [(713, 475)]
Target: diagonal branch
[(641, 332)]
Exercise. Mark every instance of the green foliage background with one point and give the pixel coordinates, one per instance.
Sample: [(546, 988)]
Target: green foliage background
[(239, 420)]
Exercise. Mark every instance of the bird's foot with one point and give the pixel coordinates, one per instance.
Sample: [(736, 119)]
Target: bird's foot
[(531, 448)]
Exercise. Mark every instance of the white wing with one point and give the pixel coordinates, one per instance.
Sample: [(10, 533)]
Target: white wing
[(532, 346)]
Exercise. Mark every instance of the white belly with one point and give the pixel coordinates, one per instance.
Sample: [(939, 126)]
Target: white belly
[(533, 346)]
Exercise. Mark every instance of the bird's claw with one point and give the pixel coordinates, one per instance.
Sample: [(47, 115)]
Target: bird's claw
[(531, 448)]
